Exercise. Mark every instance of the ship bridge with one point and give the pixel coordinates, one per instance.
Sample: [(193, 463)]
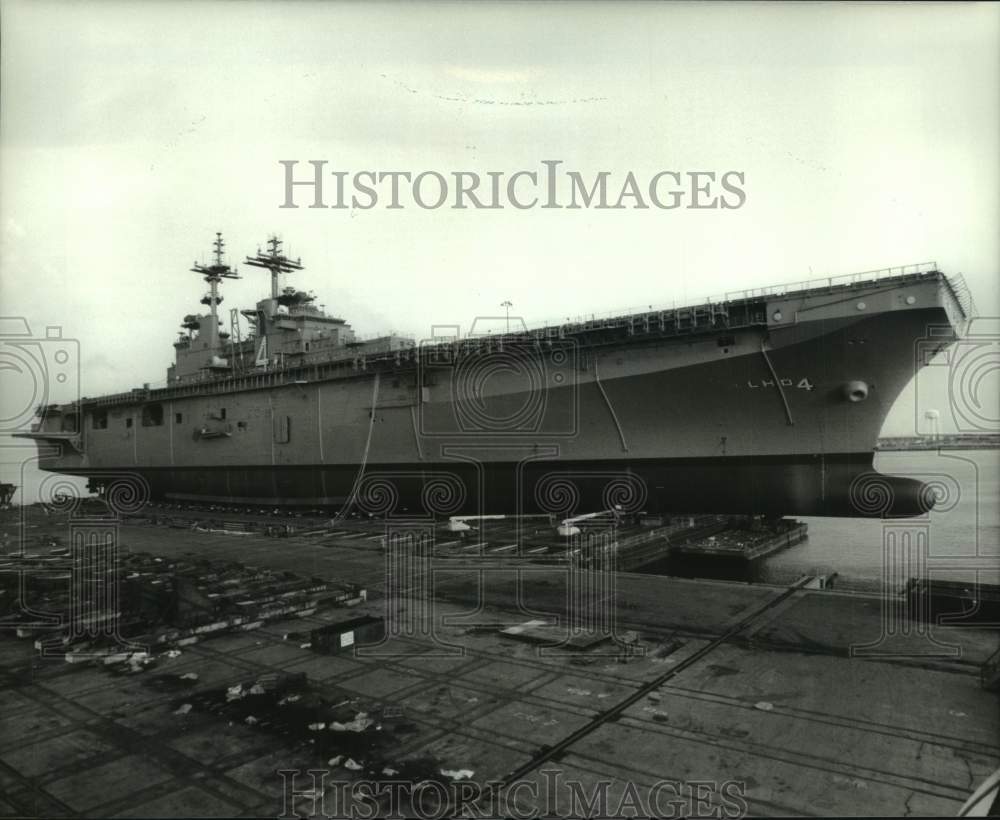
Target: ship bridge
[(286, 330)]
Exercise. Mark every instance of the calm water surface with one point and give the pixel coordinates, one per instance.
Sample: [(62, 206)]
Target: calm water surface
[(963, 532)]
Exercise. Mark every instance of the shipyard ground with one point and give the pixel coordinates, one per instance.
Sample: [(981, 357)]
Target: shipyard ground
[(754, 684)]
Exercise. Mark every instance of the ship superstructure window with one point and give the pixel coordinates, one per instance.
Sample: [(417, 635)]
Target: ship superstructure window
[(99, 420), (128, 422), (178, 418), (152, 415), (222, 414)]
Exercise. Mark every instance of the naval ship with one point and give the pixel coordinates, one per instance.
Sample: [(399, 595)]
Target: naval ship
[(767, 401)]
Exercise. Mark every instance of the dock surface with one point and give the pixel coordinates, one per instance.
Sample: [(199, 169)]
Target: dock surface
[(796, 694)]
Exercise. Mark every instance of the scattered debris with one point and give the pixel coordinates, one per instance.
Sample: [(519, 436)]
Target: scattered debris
[(183, 709), (663, 651), (189, 676), (359, 724), (333, 729), (350, 764), (169, 603), (458, 774), (388, 771), (268, 681), (544, 632), (345, 635), (138, 661), (629, 636), (763, 705)]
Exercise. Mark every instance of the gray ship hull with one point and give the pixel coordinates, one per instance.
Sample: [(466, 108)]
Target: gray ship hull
[(820, 485), (777, 416)]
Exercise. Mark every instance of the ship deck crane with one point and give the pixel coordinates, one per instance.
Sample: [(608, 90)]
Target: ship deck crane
[(568, 526)]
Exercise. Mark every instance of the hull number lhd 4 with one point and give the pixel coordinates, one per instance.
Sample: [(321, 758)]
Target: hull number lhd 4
[(802, 384)]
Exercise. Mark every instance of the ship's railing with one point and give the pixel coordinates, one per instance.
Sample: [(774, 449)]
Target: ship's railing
[(714, 312), (840, 281), (364, 338), (821, 283), (442, 353), (276, 374)]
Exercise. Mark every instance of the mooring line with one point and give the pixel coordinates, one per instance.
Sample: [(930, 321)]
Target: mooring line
[(611, 409), (364, 458), (777, 381)]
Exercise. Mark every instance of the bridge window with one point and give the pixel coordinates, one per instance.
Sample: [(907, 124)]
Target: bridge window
[(99, 420), (152, 415)]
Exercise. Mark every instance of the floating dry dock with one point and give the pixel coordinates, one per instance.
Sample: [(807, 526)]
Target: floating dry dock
[(802, 697), (745, 542)]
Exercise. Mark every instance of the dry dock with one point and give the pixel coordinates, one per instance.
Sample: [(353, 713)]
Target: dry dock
[(744, 544), (721, 683)]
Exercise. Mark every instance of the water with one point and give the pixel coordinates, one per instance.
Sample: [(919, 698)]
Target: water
[(966, 525), (963, 532), (19, 465)]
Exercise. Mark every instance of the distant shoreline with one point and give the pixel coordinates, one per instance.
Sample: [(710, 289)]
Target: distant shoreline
[(955, 442)]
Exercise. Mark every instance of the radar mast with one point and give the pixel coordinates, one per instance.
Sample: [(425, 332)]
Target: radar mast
[(214, 274), (274, 261)]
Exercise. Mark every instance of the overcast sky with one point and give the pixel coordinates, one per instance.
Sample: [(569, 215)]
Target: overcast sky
[(131, 132)]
